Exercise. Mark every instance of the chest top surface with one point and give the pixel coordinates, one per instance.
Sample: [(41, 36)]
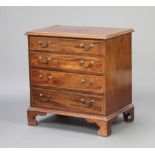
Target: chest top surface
[(80, 32)]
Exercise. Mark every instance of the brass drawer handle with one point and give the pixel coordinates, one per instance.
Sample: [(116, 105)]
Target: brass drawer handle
[(44, 44), (44, 60), (86, 83), (42, 98), (87, 103), (88, 65), (45, 79), (86, 48)]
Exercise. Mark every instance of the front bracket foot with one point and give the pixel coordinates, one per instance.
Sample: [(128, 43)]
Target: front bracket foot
[(104, 126), (31, 116)]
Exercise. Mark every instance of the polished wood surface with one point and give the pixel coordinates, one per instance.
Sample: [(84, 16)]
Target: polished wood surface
[(63, 45), (73, 101), (70, 63), (81, 72), (81, 32), (118, 73), (88, 83)]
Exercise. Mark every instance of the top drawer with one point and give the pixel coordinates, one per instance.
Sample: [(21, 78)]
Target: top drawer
[(63, 45)]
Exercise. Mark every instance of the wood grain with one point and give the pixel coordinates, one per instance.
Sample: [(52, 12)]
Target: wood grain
[(64, 82), (68, 46), (118, 73), (71, 63), (81, 32), (68, 101), (68, 81)]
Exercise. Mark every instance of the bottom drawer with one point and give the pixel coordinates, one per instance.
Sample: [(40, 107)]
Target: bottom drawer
[(67, 100)]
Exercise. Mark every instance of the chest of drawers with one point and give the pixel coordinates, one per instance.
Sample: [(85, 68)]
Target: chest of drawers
[(81, 72)]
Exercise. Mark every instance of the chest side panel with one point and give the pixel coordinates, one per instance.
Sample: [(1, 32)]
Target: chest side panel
[(118, 73)]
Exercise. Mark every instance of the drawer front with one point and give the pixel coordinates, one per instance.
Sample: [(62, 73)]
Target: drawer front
[(67, 62), (61, 45), (89, 83), (67, 100)]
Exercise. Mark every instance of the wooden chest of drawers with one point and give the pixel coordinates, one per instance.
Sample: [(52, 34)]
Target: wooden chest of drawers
[(82, 72)]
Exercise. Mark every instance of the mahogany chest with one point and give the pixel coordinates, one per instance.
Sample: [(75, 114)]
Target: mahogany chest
[(82, 72)]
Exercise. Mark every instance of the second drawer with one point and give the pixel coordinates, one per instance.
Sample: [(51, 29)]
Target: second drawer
[(87, 83), (67, 62)]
